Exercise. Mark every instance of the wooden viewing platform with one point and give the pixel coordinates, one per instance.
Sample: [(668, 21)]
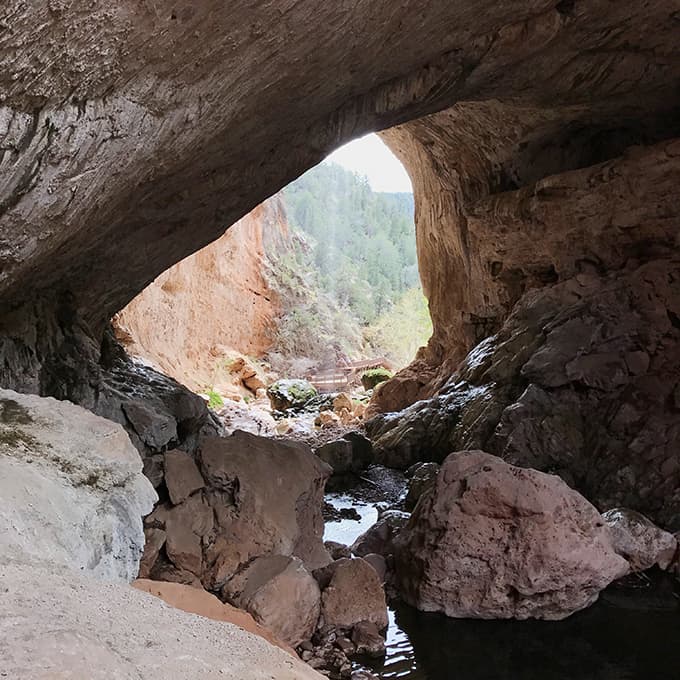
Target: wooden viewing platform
[(338, 379)]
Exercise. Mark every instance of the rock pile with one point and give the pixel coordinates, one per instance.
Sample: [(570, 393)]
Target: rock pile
[(242, 497)]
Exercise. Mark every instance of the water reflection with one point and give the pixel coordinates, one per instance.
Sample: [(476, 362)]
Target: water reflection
[(617, 639)]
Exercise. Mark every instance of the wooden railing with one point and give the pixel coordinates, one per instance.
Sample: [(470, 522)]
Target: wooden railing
[(340, 378)]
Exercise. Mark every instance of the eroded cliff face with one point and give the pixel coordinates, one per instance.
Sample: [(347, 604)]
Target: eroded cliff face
[(212, 303)]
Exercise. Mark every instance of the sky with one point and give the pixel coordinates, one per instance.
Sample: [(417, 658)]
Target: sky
[(369, 156)]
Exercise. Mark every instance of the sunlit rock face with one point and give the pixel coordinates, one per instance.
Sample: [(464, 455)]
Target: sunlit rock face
[(511, 199), (215, 301), (581, 380)]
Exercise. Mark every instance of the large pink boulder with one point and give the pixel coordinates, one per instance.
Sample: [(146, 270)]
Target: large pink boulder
[(491, 540)]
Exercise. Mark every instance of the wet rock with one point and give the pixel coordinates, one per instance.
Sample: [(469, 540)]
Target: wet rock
[(367, 639), (495, 541), (352, 453), (182, 476), (363, 675), (333, 514), (353, 594), (380, 537), (421, 480), (280, 594), (290, 394), (71, 488), (639, 541)]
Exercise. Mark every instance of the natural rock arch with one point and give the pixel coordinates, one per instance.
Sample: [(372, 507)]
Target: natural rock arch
[(133, 134)]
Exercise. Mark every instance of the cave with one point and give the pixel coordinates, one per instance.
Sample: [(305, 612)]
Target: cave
[(542, 141)]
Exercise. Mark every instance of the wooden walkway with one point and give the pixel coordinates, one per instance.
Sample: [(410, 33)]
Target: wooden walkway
[(340, 378)]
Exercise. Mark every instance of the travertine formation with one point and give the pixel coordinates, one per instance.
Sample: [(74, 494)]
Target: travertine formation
[(581, 380), (71, 488)]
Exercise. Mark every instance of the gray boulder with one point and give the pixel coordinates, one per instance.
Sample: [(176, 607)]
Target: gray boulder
[(72, 490)]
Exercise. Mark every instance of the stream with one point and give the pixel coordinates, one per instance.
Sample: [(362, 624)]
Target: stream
[(629, 634)]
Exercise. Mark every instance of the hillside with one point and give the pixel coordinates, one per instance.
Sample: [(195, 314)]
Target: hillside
[(351, 278)]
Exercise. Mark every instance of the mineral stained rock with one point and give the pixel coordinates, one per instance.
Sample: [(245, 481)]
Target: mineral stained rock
[(491, 540)]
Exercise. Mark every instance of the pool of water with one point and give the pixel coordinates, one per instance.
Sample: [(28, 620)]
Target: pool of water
[(628, 634)]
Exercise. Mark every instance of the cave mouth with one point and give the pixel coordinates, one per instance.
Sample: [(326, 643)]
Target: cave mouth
[(319, 282)]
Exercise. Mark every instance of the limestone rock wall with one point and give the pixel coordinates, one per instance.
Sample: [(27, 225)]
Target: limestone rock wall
[(71, 488), (509, 199), (214, 301)]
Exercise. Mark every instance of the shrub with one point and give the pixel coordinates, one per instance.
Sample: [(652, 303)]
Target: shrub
[(374, 376), (214, 399)]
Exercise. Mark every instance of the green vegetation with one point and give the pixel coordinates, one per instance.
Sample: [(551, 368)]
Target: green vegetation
[(362, 243), (350, 281), (214, 398), (374, 376), (401, 330)]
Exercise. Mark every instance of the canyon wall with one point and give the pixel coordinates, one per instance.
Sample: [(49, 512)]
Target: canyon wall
[(211, 304)]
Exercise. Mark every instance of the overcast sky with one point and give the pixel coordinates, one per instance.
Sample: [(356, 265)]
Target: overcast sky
[(369, 156)]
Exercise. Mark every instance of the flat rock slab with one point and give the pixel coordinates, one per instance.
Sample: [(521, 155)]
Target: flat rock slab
[(57, 623)]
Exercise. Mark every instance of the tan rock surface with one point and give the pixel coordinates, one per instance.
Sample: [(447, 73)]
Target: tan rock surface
[(354, 593), (57, 624), (203, 603), (495, 541), (184, 322), (281, 594)]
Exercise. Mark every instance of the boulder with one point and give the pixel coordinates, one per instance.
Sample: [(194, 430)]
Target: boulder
[(495, 541), (327, 419), (155, 429), (203, 603), (353, 593), (280, 594), (379, 563), (62, 624), (72, 490), (367, 639), (182, 476), (247, 418), (352, 453), (337, 550), (639, 541), (373, 377), (379, 538), (290, 394), (259, 496), (343, 402), (422, 479)]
